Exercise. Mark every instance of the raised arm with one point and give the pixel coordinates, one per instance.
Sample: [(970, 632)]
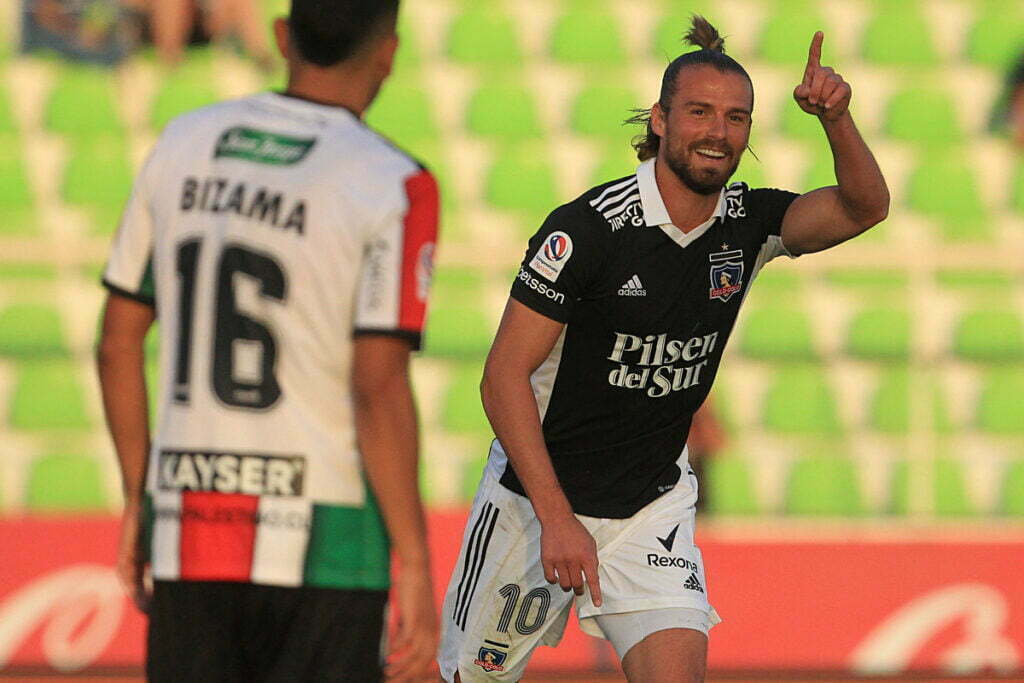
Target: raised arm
[(524, 339), (120, 358), (827, 216), (386, 428)]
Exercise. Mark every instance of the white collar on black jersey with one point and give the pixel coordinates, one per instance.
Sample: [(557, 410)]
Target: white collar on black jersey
[(656, 215)]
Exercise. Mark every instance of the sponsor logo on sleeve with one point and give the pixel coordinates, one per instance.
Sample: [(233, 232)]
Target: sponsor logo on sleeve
[(424, 270), (553, 255), (541, 288), (250, 474), (726, 274)]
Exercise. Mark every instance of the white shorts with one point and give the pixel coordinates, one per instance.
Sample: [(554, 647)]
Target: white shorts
[(499, 607)]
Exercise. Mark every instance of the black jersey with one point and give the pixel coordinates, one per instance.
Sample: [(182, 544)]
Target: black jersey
[(647, 312)]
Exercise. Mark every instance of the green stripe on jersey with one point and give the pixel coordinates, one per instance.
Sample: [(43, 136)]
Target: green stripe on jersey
[(348, 548), (147, 287)]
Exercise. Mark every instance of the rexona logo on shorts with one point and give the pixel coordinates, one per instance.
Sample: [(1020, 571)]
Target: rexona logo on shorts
[(490, 659), (553, 255), (262, 147), (255, 475)]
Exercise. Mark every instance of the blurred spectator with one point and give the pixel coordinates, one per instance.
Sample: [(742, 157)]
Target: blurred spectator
[(86, 30), (172, 24), (1009, 112), (707, 437)]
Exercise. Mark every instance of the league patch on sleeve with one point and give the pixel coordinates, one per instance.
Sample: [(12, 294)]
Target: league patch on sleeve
[(552, 255)]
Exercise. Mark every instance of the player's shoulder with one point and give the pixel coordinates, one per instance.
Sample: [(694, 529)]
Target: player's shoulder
[(614, 205), (743, 201)]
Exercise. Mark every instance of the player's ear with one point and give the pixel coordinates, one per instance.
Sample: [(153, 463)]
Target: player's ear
[(385, 51), (282, 36), (658, 120)]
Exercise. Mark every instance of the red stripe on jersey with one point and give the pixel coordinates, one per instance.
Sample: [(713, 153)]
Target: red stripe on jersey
[(218, 532), (420, 234)]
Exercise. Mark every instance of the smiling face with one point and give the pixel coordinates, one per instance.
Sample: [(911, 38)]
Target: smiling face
[(705, 131)]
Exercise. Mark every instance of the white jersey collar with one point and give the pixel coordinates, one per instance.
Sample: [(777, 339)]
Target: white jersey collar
[(320, 110), (656, 215)]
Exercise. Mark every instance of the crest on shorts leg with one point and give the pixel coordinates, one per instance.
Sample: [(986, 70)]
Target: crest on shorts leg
[(490, 659)]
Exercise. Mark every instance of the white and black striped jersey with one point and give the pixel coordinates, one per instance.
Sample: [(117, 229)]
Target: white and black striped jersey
[(647, 312), (268, 231)]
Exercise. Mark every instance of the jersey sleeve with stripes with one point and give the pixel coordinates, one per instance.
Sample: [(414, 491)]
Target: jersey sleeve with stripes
[(560, 263), (397, 265), (129, 270)]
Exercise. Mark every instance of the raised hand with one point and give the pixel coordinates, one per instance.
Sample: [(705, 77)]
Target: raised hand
[(822, 92)]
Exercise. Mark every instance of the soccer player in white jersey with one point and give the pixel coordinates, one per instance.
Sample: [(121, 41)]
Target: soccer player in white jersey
[(609, 343), (286, 250)]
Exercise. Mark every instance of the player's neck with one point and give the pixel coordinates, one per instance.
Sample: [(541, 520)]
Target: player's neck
[(686, 208), (350, 89)]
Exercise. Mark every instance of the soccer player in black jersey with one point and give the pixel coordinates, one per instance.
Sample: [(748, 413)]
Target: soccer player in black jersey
[(610, 341)]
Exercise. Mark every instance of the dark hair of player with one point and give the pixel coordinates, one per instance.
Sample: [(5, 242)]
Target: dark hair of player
[(326, 32), (711, 52)]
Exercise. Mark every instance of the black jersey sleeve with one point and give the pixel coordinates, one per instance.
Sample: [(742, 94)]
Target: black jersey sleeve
[(769, 206), (560, 263)]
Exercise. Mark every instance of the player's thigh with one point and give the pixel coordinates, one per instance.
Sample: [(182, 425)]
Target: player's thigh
[(498, 607), (193, 633), (677, 655)]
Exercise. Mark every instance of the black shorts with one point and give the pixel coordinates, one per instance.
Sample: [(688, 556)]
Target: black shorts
[(224, 632)]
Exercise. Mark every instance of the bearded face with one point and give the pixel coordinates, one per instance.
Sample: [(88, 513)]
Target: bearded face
[(706, 128)]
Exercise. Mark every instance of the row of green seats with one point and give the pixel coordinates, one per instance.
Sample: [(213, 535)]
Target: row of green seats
[(828, 485), (589, 33)]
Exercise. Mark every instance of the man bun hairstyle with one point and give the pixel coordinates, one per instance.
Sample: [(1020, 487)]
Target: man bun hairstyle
[(710, 52), (326, 32)]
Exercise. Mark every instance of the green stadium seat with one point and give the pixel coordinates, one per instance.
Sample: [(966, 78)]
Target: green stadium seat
[(188, 88), (7, 122), (601, 111), (667, 42), (989, 335), (1017, 189), (899, 35), (1000, 408), (822, 170), (997, 34), (458, 326), (977, 281), (403, 113), (15, 191), (1012, 498), (787, 32), (799, 400), (948, 488), (522, 179), (880, 333), (729, 484), (47, 396), (463, 411), (483, 35), (31, 330), (822, 486), (618, 160), (83, 103), (103, 193), (506, 111), (65, 483), (473, 469), (14, 271), (409, 54), (871, 281), (588, 34), (795, 123), (778, 333), (958, 206), (751, 172), (923, 115), (772, 283), (890, 404)]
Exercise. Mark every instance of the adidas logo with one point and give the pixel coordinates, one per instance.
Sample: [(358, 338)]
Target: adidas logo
[(632, 287), (693, 583)]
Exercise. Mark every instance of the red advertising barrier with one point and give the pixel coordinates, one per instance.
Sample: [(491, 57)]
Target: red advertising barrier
[(865, 599)]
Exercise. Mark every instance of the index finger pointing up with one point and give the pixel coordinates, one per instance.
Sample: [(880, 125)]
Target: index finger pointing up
[(814, 54)]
